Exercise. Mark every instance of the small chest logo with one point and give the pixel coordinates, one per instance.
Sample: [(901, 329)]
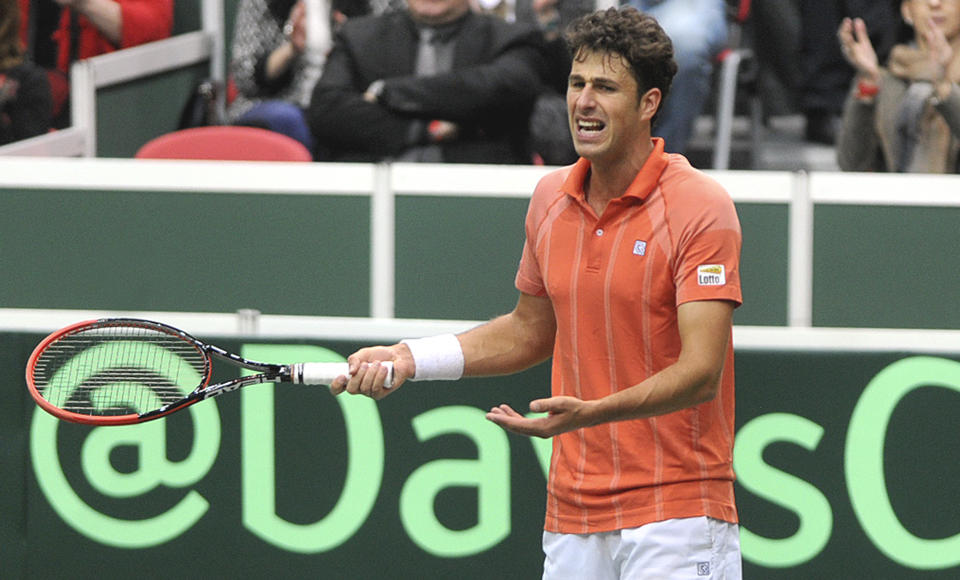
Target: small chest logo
[(640, 248), (711, 275)]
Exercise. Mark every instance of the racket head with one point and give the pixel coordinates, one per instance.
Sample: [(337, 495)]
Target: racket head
[(114, 371)]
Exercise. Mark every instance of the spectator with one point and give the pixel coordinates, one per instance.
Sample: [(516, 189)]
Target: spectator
[(24, 90), (549, 133), (435, 82), (276, 63), (825, 77), (92, 27), (773, 31), (904, 117), (698, 29), (553, 15)]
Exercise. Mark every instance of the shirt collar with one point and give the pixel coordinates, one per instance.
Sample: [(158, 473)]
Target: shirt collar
[(643, 184)]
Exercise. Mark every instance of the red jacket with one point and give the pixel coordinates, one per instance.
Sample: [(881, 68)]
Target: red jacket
[(143, 21)]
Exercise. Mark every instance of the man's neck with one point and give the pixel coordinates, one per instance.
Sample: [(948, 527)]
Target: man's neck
[(609, 179)]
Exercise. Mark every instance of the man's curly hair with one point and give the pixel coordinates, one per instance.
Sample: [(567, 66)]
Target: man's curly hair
[(637, 37)]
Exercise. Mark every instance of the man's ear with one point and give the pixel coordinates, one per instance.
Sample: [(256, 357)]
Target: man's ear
[(650, 103)]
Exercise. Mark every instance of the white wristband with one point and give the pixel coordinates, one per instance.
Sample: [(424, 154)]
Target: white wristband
[(437, 358)]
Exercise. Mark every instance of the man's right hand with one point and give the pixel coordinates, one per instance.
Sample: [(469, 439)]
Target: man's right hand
[(367, 375)]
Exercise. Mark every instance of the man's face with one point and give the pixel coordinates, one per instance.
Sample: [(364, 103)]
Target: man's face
[(608, 120), (437, 12)]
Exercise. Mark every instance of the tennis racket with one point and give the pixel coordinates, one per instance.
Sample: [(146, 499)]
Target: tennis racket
[(120, 371)]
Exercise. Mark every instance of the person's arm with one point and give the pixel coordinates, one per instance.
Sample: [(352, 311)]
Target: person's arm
[(513, 78), (104, 14), (129, 22), (341, 118), (693, 379), (145, 21), (949, 108), (507, 344), (346, 116), (281, 58), (858, 146), (513, 342), (946, 95)]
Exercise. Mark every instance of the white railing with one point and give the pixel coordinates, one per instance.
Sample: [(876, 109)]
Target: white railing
[(383, 183), (89, 75), (247, 325)]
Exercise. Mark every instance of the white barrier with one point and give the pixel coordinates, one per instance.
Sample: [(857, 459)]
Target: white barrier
[(244, 324), (384, 182)]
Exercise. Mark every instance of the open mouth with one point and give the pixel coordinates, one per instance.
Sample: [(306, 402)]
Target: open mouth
[(590, 127), (587, 128)]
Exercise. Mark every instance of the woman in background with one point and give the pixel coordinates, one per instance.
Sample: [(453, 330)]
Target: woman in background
[(276, 63), (904, 116)]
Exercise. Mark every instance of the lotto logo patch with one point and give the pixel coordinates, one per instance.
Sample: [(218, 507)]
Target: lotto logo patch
[(640, 247), (711, 275), (703, 568)]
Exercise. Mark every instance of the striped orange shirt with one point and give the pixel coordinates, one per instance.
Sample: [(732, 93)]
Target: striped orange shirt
[(616, 282)]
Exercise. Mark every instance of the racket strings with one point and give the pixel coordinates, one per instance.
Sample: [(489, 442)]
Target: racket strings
[(117, 369)]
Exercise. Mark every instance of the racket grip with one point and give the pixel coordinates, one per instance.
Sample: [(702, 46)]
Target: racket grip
[(314, 373)]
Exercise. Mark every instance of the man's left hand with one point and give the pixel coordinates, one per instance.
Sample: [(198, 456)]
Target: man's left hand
[(563, 414)]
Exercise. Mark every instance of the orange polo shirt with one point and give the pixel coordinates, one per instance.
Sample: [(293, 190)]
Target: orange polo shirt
[(615, 282)]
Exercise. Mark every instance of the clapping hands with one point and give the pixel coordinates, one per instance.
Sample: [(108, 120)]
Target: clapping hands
[(858, 50)]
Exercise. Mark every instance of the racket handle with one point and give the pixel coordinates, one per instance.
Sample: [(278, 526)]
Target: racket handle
[(314, 373)]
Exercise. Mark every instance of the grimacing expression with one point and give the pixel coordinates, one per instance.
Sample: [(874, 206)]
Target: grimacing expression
[(608, 119)]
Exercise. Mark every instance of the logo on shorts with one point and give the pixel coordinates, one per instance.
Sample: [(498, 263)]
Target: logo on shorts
[(711, 275), (640, 247), (703, 568)]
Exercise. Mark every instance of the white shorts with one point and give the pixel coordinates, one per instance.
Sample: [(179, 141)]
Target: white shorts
[(698, 548)]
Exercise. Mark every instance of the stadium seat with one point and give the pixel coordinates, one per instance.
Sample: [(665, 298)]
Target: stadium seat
[(737, 72), (225, 143)]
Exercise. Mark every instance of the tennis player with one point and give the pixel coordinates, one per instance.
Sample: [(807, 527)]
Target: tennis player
[(629, 278)]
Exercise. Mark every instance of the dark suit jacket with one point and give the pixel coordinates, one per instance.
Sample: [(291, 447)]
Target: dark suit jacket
[(489, 93)]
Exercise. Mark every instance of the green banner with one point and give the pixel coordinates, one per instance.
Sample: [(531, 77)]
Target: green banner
[(846, 467)]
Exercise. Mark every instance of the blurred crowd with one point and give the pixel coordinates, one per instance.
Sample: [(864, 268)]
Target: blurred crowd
[(484, 81)]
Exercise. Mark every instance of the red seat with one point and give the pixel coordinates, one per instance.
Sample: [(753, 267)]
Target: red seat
[(225, 143)]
